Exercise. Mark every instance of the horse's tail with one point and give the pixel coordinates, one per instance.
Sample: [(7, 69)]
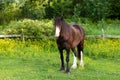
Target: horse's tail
[(81, 44), (80, 48)]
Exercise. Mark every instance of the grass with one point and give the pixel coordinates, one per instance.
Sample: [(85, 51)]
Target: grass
[(39, 60), (110, 27), (46, 67)]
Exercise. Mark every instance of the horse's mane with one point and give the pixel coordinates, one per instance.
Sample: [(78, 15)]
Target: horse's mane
[(60, 22)]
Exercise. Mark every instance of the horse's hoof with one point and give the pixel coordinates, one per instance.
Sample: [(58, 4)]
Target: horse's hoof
[(62, 69), (67, 72), (74, 67)]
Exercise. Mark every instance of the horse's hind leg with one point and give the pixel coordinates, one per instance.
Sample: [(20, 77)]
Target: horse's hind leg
[(74, 66), (80, 54)]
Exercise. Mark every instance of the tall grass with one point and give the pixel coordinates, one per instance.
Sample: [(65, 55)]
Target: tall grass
[(108, 48), (102, 48), (110, 27)]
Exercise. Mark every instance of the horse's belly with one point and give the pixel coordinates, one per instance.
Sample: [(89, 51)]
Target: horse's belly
[(75, 44), (76, 41)]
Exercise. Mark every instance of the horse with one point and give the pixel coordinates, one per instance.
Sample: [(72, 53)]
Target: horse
[(68, 37)]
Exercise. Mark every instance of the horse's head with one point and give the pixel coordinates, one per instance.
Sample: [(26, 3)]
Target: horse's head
[(58, 26)]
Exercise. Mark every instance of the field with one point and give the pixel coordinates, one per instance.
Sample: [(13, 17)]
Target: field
[(39, 60), (46, 68), (34, 54)]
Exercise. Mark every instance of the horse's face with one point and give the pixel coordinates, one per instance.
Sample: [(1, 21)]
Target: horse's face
[(57, 26)]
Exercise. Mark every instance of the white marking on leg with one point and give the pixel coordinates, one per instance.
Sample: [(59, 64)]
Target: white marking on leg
[(57, 31), (81, 61), (74, 66)]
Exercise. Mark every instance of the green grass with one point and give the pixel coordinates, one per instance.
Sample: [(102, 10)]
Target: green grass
[(39, 60), (46, 67), (111, 27)]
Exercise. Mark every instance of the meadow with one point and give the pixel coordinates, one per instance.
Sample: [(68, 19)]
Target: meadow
[(38, 58)]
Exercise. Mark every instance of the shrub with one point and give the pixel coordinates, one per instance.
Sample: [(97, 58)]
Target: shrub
[(38, 29)]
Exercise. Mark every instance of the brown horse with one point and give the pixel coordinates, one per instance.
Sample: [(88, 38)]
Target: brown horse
[(68, 37)]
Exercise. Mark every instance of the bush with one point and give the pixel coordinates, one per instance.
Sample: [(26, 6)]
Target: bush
[(38, 29)]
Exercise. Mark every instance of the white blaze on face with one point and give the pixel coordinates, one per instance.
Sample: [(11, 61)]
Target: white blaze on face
[(57, 31)]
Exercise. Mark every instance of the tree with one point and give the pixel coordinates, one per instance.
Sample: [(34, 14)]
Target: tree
[(115, 9), (34, 9), (94, 9), (9, 10), (59, 8)]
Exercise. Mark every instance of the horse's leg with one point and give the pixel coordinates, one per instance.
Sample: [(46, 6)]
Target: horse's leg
[(62, 60), (74, 66), (67, 60), (80, 54)]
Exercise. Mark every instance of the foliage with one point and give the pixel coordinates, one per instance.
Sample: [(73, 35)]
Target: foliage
[(94, 9), (9, 11), (93, 47), (14, 48), (104, 48), (115, 9), (60, 8), (45, 29), (111, 27), (39, 9), (40, 60), (35, 28), (34, 9)]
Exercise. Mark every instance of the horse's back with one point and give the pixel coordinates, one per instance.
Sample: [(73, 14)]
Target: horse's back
[(78, 27), (78, 34)]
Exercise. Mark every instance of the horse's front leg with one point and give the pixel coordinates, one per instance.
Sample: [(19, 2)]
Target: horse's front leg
[(62, 60), (67, 61)]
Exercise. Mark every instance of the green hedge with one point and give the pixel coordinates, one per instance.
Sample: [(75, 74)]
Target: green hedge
[(36, 28), (45, 28)]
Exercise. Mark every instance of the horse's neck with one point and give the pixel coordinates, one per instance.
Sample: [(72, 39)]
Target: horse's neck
[(65, 31), (65, 26)]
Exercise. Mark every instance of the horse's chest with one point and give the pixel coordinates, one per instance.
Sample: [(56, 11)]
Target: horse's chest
[(63, 43)]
